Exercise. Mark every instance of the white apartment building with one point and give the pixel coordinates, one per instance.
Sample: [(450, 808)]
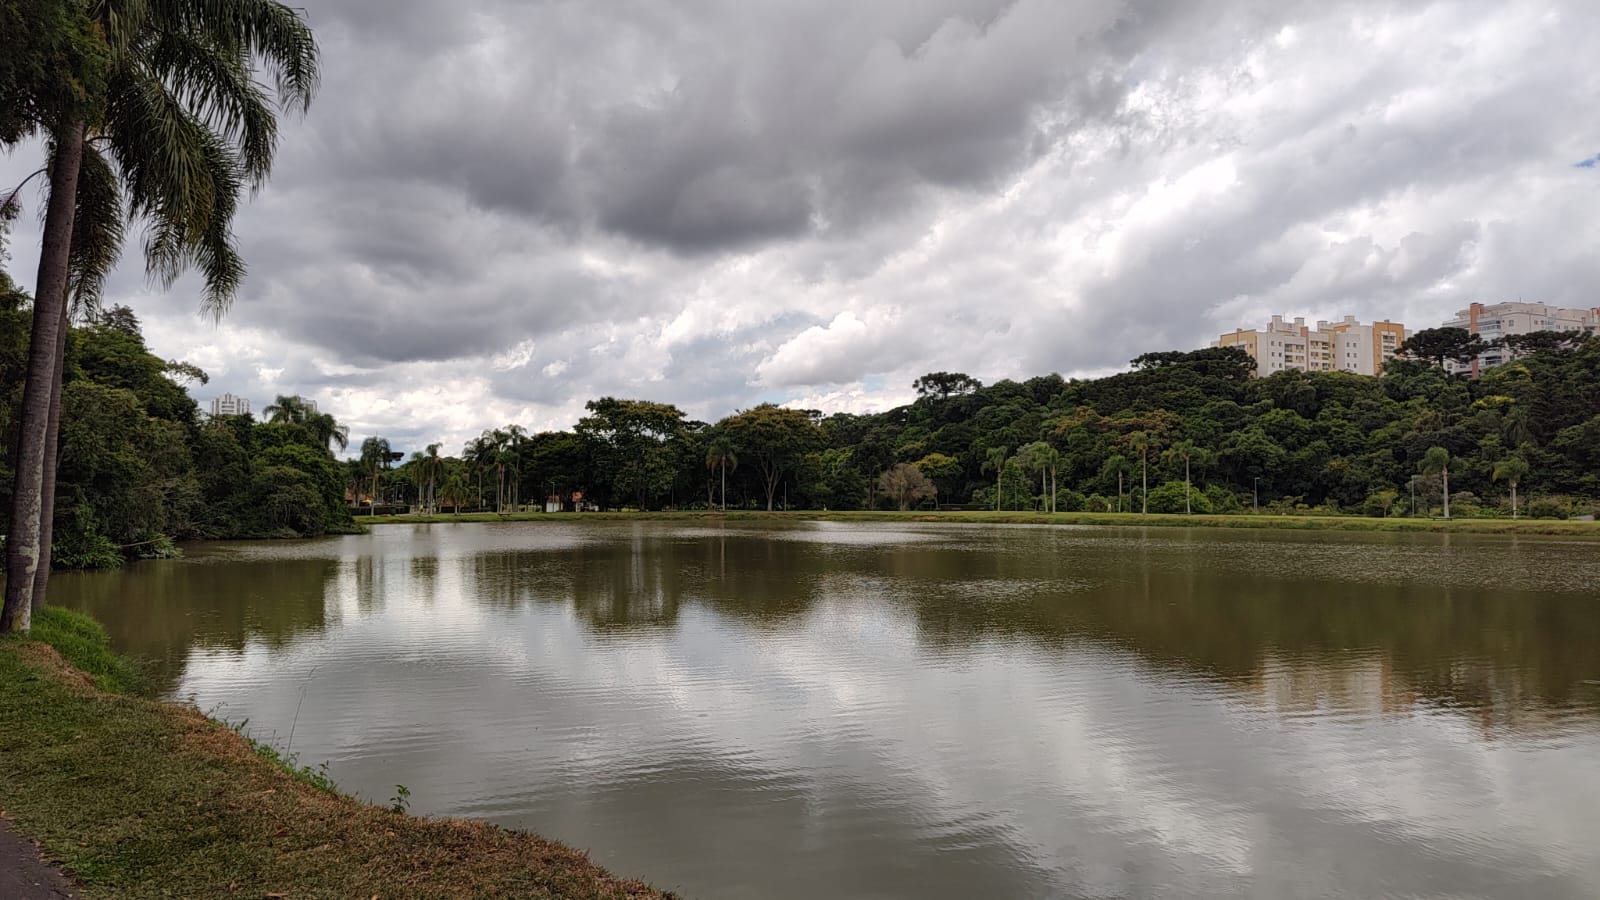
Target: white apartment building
[(1344, 346), (1497, 320), (229, 405)]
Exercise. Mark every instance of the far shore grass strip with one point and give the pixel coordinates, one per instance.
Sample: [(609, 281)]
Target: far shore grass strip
[(1552, 527)]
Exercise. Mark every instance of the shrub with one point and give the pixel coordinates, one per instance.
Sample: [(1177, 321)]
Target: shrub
[(1222, 500), (1547, 508), (1169, 499), (1069, 500), (1100, 503), (79, 544), (1381, 503)]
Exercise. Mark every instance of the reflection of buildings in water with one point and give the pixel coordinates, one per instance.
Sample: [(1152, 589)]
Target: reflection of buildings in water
[(1489, 696), (1361, 684)]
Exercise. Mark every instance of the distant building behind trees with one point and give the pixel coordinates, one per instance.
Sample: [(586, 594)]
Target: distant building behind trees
[(229, 405), (1344, 346), (1497, 321)]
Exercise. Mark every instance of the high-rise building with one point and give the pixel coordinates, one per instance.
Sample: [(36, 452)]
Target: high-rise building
[(1345, 346), (229, 405), (1497, 320)]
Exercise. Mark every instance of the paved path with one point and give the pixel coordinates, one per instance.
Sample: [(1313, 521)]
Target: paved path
[(23, 874)]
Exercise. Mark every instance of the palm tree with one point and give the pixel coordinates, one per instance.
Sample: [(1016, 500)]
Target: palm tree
[(1052, 460), (1437, 462), (177, 130), (477, 454), (455, 489), (1119, 464), (1511, 470), (995, 458), (374, 459), (425, 468), (1185, 450), (1140, 441), (297, 410), (720, 455), (1042, 458)]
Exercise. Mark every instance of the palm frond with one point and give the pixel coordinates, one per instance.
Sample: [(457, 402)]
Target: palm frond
[(213, 82), (97, 230), (272, 33), (215, 252), (123, 21), (160, 148)]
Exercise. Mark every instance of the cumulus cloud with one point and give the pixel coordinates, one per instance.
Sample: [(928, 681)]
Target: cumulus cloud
[(499, 210)]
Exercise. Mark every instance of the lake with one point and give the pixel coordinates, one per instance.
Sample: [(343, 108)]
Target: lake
[(899, 710)]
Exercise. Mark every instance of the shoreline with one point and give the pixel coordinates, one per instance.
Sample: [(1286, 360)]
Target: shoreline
[(1532, 527), (134, 797)]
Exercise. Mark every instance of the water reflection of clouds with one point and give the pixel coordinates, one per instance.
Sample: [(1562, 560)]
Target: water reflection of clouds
[(1086, 760), (1070, 756)]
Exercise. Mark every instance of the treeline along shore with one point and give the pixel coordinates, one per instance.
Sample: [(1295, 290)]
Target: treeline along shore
[(1181, 433)]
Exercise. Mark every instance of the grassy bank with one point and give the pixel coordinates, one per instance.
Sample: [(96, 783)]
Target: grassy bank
[(1292, 523), (137, 798)]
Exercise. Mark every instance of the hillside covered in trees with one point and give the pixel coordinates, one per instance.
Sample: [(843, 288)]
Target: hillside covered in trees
[(140, 468), (1294, 441)]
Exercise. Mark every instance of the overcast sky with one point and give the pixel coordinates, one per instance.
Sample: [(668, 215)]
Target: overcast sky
[(499, 209)]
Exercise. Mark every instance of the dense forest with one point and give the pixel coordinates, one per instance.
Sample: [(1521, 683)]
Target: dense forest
[(139, 466)]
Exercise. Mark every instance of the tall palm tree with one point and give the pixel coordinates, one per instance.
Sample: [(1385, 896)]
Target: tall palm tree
[(176, 131), (1186, 451), (1035, 457), (1117, 463), (1141, 441), (720, 455), (455, 489), (1437, 462), (297, 410), (374, 460), (425, 467), (477, 455), (995, 458), (1511, 470), (1052, 461)]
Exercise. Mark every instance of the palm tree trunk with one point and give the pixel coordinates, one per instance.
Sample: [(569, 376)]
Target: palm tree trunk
[(724, 484), (1187, 509), (1119, 490), (1513, 499), (1446, 473), (1144, 475), (50, 297), (52, 460)]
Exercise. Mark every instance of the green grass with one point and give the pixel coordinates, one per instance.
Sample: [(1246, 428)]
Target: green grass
[(1294, 523), (83, 643), (137, 798)]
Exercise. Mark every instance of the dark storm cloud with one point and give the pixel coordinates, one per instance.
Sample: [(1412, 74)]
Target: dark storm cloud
[(740, 123)]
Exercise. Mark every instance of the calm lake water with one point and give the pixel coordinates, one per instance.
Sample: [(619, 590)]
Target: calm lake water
[(868, 710)]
